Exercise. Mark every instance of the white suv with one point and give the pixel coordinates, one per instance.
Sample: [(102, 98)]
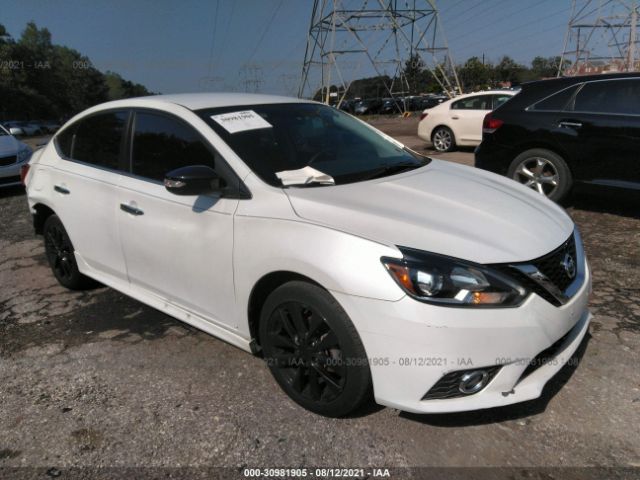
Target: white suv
[(299, 233), (458, 122)]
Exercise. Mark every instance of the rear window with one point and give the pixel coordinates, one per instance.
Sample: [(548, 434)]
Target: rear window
[(557, 101)]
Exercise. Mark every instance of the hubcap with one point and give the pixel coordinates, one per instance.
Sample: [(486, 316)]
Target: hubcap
[(442, 140), (58, 252), (306, 351), (539, 174)]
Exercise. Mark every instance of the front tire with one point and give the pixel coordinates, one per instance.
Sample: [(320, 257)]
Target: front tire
[(60, 255), (543, 171), (443, 139), (313, 350)]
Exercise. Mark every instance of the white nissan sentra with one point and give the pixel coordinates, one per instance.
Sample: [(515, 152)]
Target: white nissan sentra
[(351, 264)]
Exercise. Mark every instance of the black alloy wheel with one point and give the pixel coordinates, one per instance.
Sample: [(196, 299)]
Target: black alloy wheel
[(313, 349), (60, 255)]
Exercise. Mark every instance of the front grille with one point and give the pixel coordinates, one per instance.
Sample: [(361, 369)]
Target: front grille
[(551, 266), (6, 161), (447, 386), (9, 180)]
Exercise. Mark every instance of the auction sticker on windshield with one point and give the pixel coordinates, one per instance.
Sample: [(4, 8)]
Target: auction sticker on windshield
[(235, 122)]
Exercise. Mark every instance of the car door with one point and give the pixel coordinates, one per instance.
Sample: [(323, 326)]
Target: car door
[(467, 115), (178, 248), (602, 127), (84, 184)]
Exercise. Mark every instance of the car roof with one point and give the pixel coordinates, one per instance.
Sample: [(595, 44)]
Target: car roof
[(198, 101), (582, 78)]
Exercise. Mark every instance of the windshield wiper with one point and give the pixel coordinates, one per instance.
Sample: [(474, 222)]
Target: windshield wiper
[(390, 170)]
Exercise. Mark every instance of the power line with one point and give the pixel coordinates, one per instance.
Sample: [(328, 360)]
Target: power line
[(213, 37), (264, 33)]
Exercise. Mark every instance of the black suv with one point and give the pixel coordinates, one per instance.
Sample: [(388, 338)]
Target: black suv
[(558, 132)]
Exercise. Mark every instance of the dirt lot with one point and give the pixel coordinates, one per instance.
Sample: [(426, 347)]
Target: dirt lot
[(97, 379)]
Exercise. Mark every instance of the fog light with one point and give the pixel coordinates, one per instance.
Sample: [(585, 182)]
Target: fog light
[(473, 382)]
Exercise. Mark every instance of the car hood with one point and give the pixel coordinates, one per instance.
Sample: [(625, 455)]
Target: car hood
[(444, 208), (8, 145)]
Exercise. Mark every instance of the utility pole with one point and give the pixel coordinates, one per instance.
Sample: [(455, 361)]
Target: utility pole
[(382, 34), (632, 37), (601, 37)]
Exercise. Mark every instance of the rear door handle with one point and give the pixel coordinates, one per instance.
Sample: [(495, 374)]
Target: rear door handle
[(62, 190), (132, 210), (570, 124)]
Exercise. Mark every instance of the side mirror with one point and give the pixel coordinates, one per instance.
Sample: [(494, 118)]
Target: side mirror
[(16, 131), (193, 180)]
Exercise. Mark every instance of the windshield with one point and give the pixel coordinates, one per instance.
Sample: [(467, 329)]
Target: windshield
[(281, 137), (3, 131)]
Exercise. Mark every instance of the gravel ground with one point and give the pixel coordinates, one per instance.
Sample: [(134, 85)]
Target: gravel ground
[(95, 379)]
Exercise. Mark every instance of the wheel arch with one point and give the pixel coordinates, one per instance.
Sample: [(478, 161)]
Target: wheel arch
[(259, 294), (545, 145), (40, 213)]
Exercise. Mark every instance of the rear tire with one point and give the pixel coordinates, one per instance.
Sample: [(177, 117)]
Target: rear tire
[(443, 139), (543, 171), (60, 255), (313, 350)]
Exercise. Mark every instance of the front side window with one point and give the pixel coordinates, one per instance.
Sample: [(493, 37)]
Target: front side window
[(162, 143), (611, 96), (480, 102), (291, 136), (97, 139)]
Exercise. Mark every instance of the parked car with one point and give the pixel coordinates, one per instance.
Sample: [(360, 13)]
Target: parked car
[(567, 131), (292, 230), (368, 106), (458, 122), (392, 105), (428, 101), (47, 126), (13, 155), (28, 128)]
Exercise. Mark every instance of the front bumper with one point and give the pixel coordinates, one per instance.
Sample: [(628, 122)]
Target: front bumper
[(411, 345)]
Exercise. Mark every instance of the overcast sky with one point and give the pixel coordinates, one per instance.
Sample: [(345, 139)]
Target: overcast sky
[(184, 46)]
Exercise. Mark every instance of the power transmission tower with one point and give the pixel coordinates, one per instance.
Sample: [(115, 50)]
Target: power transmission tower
[(345, 35), (601, 37)]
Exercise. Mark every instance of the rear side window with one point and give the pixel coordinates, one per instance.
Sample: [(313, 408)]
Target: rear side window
[(555, 102), (96, 140), (481, 102), (64, 140), (162, 143), (612, 96)]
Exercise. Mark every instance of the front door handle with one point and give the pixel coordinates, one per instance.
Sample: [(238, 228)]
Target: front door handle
[(570, 124), (62, 190), (455, 117), (132, 210)]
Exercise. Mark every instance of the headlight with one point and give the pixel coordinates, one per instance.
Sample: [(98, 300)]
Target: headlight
[(448, 281), (24, 154)]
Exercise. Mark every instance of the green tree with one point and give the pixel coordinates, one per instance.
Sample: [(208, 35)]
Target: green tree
[(474, 75)]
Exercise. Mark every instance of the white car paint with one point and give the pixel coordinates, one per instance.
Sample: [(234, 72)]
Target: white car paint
[(13, 154), (198, 258), (466, 124)]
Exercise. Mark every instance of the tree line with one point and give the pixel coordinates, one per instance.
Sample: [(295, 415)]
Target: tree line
[(42, 80), (474, 74)]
